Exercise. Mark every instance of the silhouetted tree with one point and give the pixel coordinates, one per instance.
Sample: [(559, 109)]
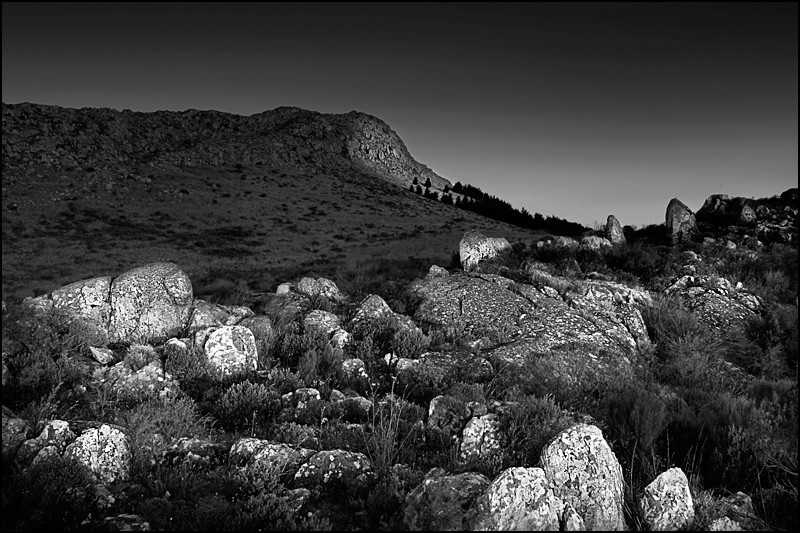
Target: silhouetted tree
[(428, 183), (419, 190), (416, 181)]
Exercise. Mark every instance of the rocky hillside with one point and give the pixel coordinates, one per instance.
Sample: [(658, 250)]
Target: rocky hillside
[(566, 387), (241, 203), (114, 142)]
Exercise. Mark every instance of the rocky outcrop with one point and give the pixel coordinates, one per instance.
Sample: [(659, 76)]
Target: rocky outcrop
[(594, 242), (476, 247), (441, 501), (519, 499), (681, 223), (585, 474), (716, 301), (667, 502), (481, 440), (327, 468)]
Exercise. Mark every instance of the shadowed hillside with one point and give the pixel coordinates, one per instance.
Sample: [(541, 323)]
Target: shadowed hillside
[(240, 202)]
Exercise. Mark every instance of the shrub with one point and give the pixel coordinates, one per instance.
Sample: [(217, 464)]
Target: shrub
[(246, 405), (54, 494), (393, 429), (139, 356), (528, 426)]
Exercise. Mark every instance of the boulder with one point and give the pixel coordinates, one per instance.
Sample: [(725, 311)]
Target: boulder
[(321, 321), (89, 300), (681, 223), (194, 451), (104, 451), (319, 287), (266, 459), (229, 349), (150, 303), (593, 242), (481, 439), (150, 381), (52, 440), (585, 474), (333, 466), (747, 216), (519, 499), (441, 501), (613, 231), (476, 247), (667, 502), (448, 415), (717, 303)]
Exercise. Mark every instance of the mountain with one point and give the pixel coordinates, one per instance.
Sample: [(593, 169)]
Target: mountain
[(241, 203)]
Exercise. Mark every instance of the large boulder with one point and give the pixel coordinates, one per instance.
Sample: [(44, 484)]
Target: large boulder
[(475, 247), (613, 231), (104, 451), (585, 473), (681, 223), (667, 502), (441, 501), (150, 303), (265, 459), (319, 287), (519, 499)]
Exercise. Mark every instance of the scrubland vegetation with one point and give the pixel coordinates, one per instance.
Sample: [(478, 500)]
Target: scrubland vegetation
[(678, 408)]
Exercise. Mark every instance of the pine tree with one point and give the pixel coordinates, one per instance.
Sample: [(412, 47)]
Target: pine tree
[(428, 183), (411, 188), (416, 181), (419, 190)]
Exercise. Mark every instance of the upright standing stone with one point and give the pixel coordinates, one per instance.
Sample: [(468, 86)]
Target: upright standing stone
[(681, 222), (614, 231)]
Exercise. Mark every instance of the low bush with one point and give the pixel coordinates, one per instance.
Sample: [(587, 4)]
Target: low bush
[(248, 406)]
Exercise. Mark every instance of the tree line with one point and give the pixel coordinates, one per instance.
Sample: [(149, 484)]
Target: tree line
[(473, 199)]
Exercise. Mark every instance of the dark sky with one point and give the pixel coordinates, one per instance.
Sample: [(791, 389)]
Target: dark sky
[(573, 110)]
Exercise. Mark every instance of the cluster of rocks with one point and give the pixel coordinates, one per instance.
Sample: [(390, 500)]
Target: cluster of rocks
[(737, 220), (112, 141), (593, 324)]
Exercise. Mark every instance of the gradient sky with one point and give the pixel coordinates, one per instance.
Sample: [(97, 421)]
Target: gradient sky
[(572, 110)]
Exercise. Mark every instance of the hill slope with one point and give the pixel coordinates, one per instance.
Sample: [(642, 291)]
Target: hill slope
[(237, 201)]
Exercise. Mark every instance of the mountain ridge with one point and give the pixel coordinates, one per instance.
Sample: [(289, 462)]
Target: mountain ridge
[(88, 137)]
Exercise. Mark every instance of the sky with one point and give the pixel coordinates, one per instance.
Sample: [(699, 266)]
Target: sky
[(572, 110)]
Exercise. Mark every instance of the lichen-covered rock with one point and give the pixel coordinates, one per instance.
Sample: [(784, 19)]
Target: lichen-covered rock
[(205, 315), (261, 328), (150, 381), (104, 451), (354, 369), (125, 522), (373, 308), (304, 396), (585, 473), (441, 501), (717, 303), (150, 303), (330, 466), (266, 459), (321, 321), (340, 339), (437, 272), (571, 520), (731, 513), (518, 499), (104, 356), (15, 432), (667, 502), (481, 439), (448, 414), (56, 435), (194, 451), (229, 349), (593, 242), (681, 223), (319, 287), (89, 300), (613, 230), (437, 365), (475, 247)]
